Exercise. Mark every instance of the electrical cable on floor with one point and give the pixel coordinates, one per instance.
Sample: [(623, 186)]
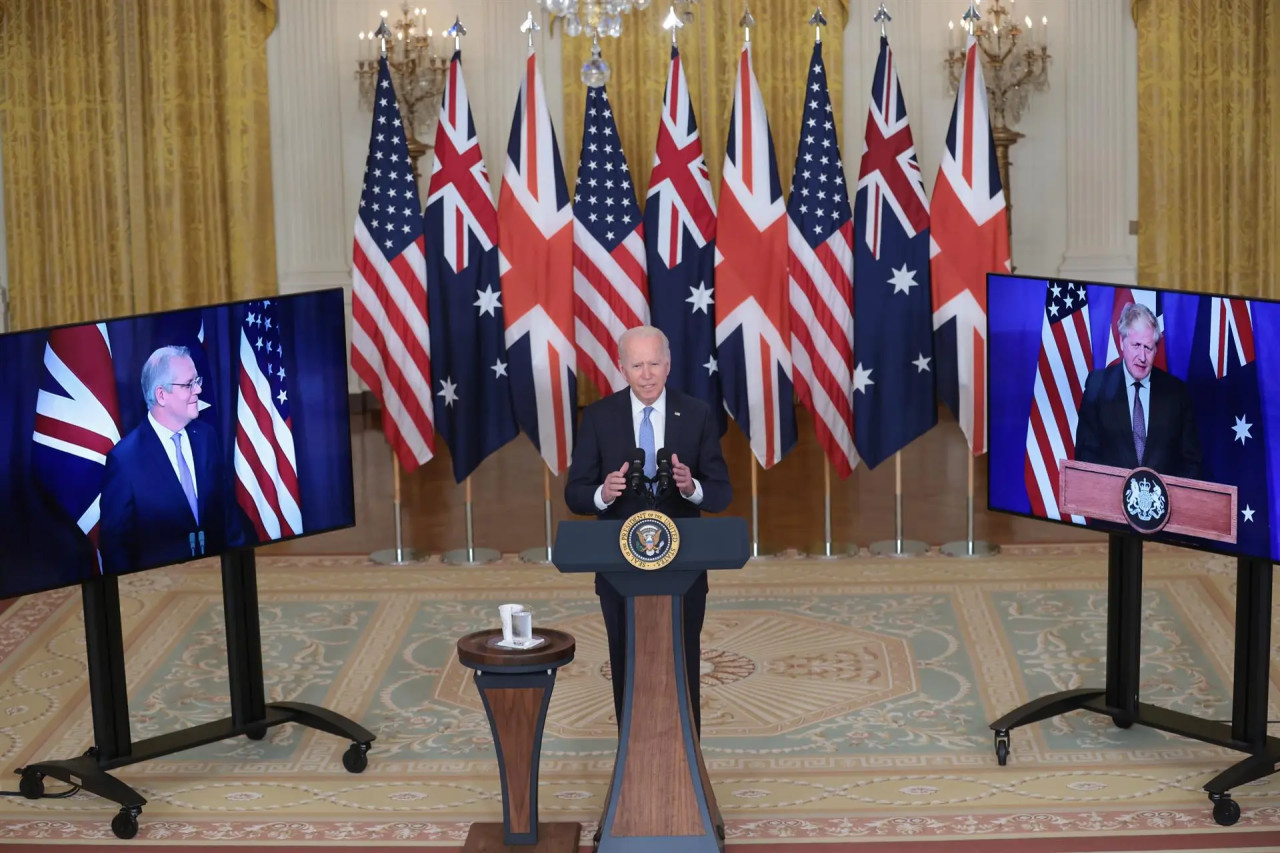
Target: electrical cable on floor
[(60, 795)]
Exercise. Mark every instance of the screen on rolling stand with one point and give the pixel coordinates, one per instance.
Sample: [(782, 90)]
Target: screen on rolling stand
[(1061, 387), (139, 442)]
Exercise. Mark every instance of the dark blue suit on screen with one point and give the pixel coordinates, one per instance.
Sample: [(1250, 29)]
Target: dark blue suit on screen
[(146, 521)]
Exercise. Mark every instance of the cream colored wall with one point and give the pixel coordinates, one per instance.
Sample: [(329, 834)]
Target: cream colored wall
[(1074, 175)]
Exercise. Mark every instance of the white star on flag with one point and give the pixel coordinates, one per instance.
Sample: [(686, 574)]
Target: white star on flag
[(488, 300), (711, 366), (448, 390), (499, 368), (922, 363), (903, 280), (1241, 429), (1247, 513), (861, 378), (701, 297)]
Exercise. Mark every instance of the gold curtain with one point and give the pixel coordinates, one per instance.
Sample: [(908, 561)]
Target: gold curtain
[(710, 44), (137, 160), (1208, 135)]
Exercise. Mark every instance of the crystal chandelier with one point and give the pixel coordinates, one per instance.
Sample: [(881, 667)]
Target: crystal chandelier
[(598, 19)]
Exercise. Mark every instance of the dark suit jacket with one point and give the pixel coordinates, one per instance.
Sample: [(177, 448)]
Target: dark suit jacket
[(1104, 433), (146, 521), (606, 438)]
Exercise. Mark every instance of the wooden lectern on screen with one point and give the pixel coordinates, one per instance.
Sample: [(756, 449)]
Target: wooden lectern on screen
[(1196, 507)]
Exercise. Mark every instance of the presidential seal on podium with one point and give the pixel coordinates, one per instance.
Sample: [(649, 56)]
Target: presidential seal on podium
[(649, 540)]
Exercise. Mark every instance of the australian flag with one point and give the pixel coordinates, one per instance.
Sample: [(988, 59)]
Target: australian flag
[(680, 246), (1222, 378), (472, 394), (893, 375)]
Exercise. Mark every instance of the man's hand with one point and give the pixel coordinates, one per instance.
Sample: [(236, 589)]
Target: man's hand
[(615, 484), (682, 475)]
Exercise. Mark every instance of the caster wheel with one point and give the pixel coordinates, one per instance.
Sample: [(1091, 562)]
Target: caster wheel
[(356, 758), (1226, 811), (256, 733), (31, 785), (1122, 723), (125, 824), (1002, 748)]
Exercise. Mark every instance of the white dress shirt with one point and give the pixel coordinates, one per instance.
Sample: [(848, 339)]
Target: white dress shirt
[(658, 420)]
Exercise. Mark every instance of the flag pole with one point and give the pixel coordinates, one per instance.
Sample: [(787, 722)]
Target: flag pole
[(969, 547), (471, 555), (399, 555), (827, 550), (755, 510), (898, 546), (542, 555)]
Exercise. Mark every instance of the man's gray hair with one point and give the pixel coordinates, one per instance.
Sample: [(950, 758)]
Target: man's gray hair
[(1136, 312), (643, 332), (159, 371)]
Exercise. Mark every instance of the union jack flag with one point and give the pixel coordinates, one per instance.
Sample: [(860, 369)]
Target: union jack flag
[(820, 267), (611, 294), (1066, 356), (390, 341), (893, 377), (680, 243), (1149, 298), (77, 422), (265, 462), (753, 334), (535, 243), (970, 238), (468, 355)]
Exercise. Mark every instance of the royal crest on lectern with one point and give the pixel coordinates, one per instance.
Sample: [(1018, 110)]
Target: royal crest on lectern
[(649, 540), (1146, 501)]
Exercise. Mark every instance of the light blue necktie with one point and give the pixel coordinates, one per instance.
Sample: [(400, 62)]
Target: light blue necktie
[(184, 475), (647, 445)]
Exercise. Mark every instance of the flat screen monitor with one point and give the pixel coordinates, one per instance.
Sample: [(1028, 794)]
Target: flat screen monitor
[(145, 441), (1069, 426)]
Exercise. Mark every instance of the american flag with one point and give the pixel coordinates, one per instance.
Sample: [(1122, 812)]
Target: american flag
[(1066, 357), (970, 234), (1149, 298), (610, 291), (265, 463), (468, 356), (390, 342), (753, 334), (820, 267), (77, 422), (680, 242), (893, 377), (535, 241)]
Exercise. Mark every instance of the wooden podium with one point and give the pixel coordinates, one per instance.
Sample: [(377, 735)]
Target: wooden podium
[(660, 798), (1195, 508)]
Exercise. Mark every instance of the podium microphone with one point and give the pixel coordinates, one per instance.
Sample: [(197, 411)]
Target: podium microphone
[(664, 471), (635, 471)]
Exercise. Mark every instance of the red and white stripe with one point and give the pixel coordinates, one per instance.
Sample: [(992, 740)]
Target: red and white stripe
[(265, 462), (1061, 372), (821, 289), (1230, 330), (611, 295)]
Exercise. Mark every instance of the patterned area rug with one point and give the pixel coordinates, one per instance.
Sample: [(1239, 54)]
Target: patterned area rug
[(843, 701)]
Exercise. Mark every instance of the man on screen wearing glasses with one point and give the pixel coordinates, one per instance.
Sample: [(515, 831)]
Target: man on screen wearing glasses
[(1135, 414), (166, 497)]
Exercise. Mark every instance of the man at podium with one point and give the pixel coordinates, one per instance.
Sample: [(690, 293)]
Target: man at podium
[(649, 416), (1135, 414)]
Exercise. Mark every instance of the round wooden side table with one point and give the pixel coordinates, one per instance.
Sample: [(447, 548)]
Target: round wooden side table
[(515, 686)]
